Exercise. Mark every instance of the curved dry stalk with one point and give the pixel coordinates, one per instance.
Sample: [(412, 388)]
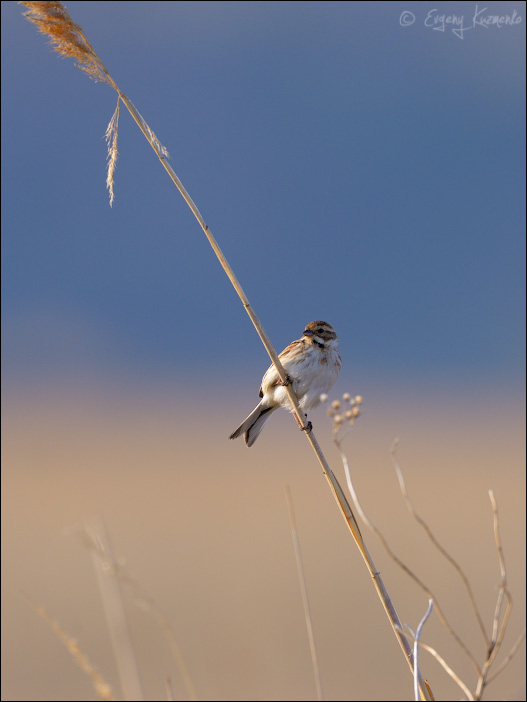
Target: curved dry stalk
[(498, 632), (417, 639), (435, 542), (68, 39), (501, 559), (448, 670), (509, 657), (401, 564)]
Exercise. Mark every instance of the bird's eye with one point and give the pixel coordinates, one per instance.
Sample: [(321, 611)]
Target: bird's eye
[(320, 330)]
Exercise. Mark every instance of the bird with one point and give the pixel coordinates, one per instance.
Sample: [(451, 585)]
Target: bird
[(312, 364)]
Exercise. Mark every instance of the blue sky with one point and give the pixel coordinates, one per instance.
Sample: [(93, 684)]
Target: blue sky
[(351, 168)]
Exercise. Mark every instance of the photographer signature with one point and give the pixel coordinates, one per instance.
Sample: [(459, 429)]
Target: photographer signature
[(456, 23)]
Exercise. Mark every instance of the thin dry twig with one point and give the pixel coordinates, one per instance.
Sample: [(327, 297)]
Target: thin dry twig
[(374, 529), (102, 688), (305, 599), (344, 418), (435, 542), (498, 632), (455, 677), (509, 657), (503, 590), (416, 646)]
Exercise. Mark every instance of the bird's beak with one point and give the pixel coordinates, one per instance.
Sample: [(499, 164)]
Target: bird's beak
[(308, 332)]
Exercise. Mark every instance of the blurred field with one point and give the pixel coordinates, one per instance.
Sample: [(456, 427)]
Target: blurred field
[(202, 524)]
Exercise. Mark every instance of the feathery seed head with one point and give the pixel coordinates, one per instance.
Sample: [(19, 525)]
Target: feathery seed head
[(67, 38)]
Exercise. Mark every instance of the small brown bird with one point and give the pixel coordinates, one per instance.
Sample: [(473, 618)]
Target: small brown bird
[(311, 363)]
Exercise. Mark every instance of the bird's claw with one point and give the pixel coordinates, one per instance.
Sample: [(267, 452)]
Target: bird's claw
[(308, 428), (285, 382)]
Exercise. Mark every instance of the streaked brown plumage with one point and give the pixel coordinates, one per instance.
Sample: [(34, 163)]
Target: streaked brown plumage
[(312, 363)]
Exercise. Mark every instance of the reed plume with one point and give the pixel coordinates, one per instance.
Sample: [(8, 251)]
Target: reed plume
[(67, 38)]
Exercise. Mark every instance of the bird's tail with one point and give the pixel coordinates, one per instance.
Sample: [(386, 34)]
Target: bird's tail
[(253, 425)]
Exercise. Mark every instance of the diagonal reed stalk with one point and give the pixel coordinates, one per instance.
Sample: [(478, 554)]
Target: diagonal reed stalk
[(69, 40)]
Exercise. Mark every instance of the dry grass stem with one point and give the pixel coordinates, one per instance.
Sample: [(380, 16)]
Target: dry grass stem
[(145, 602), (509, 657), (110, 590), (498, 631), (436, 543), (69, 40), (402, 565), (305, 600), (503, 590), (170, 692), (455, 677), (101, 686), (428, 592), (416, 646), (344, 415)]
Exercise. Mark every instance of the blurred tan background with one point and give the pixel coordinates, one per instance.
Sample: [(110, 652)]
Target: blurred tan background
[(202, 524)]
